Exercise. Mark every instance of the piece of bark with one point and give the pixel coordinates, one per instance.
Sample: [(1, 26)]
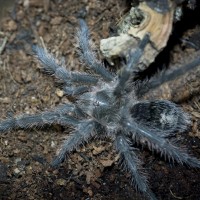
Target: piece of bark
[(131, 31)]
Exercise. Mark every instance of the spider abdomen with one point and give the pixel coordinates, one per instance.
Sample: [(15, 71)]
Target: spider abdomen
[(161, 115)]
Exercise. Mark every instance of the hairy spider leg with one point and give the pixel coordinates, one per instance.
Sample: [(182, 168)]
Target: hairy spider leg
[(88, 56), (50, 66), (57, 116), (73, 109), (167, 148), (74, 91), (133, 165), (167, 76), (83, 132)]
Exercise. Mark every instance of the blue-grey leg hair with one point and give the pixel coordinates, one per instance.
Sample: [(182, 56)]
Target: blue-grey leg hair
[(82, 133), (128, 70), (88, 56), (50, 65), (133, 165), (166, 76), (57, 116), (154, 140)]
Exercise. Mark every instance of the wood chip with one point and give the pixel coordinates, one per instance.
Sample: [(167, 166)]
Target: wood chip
[(59, 93), (98, 150), (11, 26), (196, 114), (56, 21), (107, 163), (61, 182)]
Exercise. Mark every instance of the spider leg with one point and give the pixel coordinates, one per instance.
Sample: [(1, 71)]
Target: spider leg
[(167, 76), (74, 110), (51, 66), (73, 91), (82, 134), (88, 56), (127, 70), (57, 116), (163, 145), (133, 164)]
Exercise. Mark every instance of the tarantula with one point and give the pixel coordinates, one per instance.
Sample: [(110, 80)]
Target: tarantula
[(105, 104)]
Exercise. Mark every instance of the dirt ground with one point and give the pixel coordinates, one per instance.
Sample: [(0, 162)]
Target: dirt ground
[(92, 171)]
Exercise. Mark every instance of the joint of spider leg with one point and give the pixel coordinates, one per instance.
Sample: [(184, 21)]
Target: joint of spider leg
[(73, 91), (50, 65)]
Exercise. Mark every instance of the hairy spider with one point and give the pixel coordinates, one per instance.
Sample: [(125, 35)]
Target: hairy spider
[(106, 105)]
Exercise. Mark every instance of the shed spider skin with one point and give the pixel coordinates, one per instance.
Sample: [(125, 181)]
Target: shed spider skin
[(106, 105)]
